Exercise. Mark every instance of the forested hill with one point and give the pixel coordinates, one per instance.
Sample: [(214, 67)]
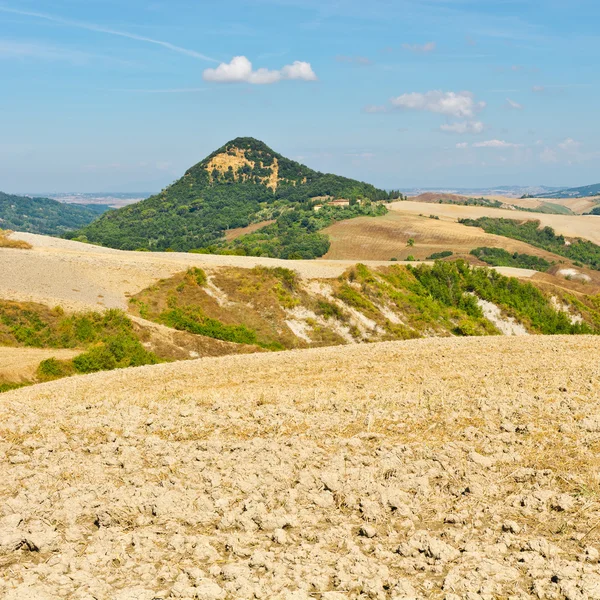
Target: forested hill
[(579, 192), (241, 183), (43, 215)]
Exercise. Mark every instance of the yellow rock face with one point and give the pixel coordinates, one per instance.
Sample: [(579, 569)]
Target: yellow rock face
[(223, 161)]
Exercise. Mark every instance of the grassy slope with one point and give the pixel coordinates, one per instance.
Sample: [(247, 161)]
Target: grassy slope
[(107, 340), (272, 308)]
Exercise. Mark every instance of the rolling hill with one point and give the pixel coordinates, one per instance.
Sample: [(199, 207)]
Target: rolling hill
[(242, 183), (577, 192), (43, 215)]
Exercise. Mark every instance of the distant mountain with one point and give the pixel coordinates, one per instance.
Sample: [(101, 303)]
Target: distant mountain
[(510, 191), (43, 215), (578, 192), (241, 183)]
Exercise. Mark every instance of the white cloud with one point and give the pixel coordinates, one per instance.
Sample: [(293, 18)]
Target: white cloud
[(462, 145), (538, 89), (496, 144), (453, 104), (569, 145), (514, 105), (239, 70), (463, 127), (420, 48)]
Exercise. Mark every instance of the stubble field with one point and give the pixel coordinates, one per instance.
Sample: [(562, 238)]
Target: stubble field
[(440, 468)]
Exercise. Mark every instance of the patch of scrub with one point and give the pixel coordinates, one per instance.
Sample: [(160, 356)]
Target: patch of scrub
[(565, 308), (574, 274), (367, 326), (389, 314), (320, 288), (506, 325), (300, 329), (299, 315), (217, 293)]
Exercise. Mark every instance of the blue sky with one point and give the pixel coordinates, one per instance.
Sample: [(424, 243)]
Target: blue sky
[(124, 95)]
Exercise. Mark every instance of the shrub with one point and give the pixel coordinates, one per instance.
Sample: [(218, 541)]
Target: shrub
[(197, 275), (329, 310), (98, 358), (498, 257), (192, 319), (438, 255), (52, 368)]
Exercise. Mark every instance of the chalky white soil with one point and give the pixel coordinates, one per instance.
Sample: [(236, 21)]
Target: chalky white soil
[(439, 468)]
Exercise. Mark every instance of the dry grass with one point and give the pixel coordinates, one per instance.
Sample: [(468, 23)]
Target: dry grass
[(232, 234), (577, 205), (20, 364), (587, 227), (7, 242), (383, 238)]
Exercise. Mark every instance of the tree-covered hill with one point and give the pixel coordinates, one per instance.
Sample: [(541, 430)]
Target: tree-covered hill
[(44, 216), (578, 192), (242, 182)]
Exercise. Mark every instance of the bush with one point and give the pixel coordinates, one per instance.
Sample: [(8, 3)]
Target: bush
[(192, 319), (198, 276), (499, 257), (580, 250), (453, 284), (438, 255), (52, 368)]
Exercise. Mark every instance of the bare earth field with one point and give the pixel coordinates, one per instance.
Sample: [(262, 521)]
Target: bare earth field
[(381, 238), (587, 227), (440, 468)]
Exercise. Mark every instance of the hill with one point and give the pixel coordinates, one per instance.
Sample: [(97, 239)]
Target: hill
[(184, 305), (241, 183), (577, 192), (438, 468), (43, 215)]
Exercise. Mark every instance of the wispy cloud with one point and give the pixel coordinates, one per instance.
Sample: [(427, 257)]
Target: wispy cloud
[(496, 144), (463, 127), (240, 70), (360, 61), (420, 48), (37, 51), (513, 105), (161, 91), (108, 31), (453, 104)]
